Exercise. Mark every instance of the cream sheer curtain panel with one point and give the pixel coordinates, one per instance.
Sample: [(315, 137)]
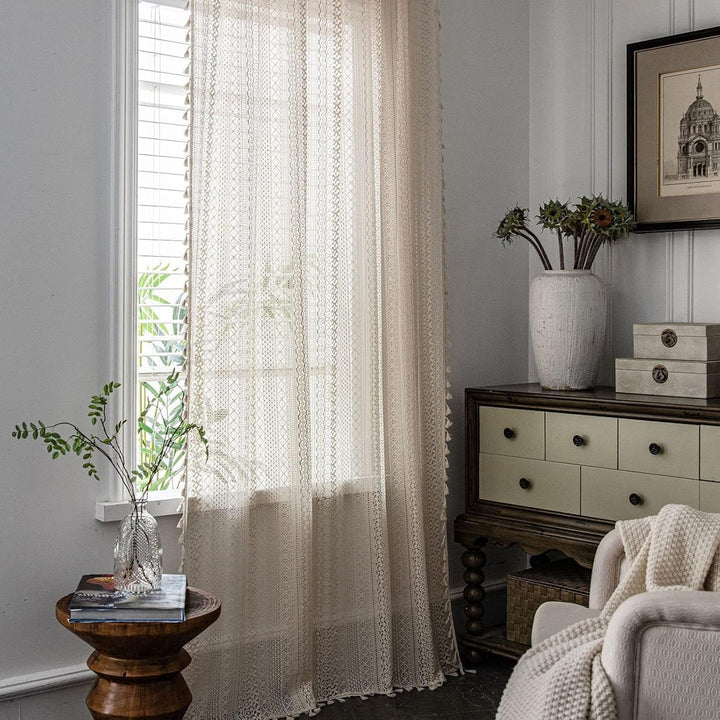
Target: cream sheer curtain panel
[(316, 353)]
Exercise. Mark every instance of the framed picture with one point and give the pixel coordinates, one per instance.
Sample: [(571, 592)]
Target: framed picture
[(674, 131)]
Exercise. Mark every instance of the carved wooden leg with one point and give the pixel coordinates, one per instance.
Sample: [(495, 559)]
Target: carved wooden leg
[(474, 560)]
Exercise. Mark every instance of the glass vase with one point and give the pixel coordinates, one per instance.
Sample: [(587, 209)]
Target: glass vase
[(138, 553)]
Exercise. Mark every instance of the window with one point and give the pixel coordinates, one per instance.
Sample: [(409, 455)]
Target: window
[(161, 215), (151, 47)]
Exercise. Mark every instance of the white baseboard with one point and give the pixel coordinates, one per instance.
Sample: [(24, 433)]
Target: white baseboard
[(23, 685)]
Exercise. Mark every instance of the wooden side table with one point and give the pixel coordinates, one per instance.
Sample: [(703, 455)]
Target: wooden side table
[(139, 664)]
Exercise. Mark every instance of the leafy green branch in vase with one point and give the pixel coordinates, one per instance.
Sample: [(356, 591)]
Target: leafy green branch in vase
[(66, 437)]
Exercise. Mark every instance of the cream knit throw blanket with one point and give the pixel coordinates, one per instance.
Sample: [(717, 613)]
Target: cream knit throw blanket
[(561, 678)]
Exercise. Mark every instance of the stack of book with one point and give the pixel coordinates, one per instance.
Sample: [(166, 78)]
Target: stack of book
[(96, 600)]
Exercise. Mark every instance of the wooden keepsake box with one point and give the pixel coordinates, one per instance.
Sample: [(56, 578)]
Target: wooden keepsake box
[(674, 378), (677, 341)]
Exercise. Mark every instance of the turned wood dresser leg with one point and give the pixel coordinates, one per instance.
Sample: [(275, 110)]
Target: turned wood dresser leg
[(473, 559)]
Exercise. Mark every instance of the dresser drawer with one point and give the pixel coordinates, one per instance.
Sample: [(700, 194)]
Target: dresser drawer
[(710, 497), (581, 439), (710, 452), (530, 483), (610, 494), (506, 431), (658, 447)]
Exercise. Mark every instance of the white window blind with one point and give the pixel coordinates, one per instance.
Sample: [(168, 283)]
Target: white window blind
[(161, 213)]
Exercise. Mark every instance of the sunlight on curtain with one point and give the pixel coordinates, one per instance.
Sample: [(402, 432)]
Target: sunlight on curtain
[(316, 353)]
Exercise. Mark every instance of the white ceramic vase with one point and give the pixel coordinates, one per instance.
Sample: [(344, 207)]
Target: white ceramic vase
[(568, 310)]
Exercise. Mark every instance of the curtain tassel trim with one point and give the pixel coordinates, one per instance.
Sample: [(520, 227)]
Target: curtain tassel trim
[(187, 115)]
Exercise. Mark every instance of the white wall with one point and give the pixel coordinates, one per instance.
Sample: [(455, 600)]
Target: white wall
[(55, 291), (55, 285), (578, 145), (484, 72)]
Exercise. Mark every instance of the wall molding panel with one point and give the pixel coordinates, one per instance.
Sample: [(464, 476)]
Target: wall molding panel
[(601, 118), (679, 289), (669, 277)]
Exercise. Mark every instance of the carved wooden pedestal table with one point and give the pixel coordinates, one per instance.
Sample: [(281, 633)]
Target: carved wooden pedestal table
[(139, 664)]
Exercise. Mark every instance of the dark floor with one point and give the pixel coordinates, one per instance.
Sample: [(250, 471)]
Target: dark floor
[(473, 696)]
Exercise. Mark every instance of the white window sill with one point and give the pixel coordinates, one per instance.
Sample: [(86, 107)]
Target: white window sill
[(169, 502), (160, 503)]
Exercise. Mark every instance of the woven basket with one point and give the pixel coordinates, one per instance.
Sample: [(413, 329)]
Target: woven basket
[(563, 580)]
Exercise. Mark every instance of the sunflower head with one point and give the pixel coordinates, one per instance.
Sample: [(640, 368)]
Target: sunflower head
[(514, 221), (553, 214), (601, 218), (609, 219)]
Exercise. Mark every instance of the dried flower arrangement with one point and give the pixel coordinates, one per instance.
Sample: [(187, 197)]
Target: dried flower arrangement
[(591, 222)]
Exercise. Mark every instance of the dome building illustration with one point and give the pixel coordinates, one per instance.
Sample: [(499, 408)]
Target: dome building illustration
[(699, 140)]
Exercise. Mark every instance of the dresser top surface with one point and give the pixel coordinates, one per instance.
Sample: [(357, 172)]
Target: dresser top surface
[(601, 399)]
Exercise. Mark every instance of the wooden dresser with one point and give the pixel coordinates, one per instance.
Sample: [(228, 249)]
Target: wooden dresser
[(553, 470)]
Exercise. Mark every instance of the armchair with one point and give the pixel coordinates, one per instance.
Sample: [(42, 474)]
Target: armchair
[(662, 649)]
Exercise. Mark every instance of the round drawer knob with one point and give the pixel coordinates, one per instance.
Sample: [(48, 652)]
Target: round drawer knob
[(509, 433), (655, 449), (524, 483), (578, 440), (635, 499), (660, 374)]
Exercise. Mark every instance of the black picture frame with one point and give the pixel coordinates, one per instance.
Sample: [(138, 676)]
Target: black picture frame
[(667, 193)]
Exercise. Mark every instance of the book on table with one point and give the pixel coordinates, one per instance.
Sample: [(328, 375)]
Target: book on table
[(96, 600)]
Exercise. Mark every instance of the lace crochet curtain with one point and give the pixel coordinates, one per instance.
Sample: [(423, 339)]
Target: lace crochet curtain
[(316, 353)]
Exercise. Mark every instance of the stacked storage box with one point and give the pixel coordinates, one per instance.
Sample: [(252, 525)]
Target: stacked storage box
[(679, 360)]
